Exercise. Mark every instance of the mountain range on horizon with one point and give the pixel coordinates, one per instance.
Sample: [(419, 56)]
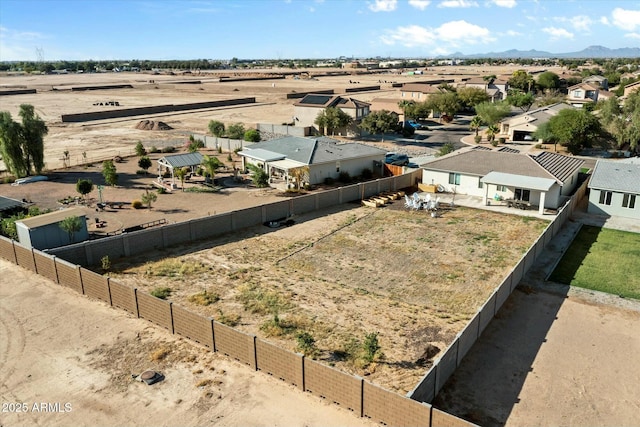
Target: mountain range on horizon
[(589, 52)]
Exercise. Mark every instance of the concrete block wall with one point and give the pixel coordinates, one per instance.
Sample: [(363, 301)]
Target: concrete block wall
[(247, 217), (69, 275), (193, 326), (487, 312), (235, 344), (333, 385), (277, 210), (390, 408), (447, 364), (442, 419), (155, 310), (25, 258), (123, 297), (280, 363), (6, 250), (95, 285), (46, 266)]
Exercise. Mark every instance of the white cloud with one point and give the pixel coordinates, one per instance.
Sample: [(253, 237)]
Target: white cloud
[(628, 20), (505, 3), (420, 4), (604, 20), (512, 33), (449, 35), (581, 22), (558, 33), (632, 36), (458, 3), (383, 5)]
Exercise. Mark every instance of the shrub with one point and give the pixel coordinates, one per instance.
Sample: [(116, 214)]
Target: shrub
[(106, 263), (160, 354), (231, 319), (144, 163), (140, 150), (329, 181), (306, 344), (344, 177), (477, 139), (141, 172), (371, 347), (84, 186), (204, 298), (236, 131), (136, 204), (367, 173), (494, 143), (252, 135), (8, 179), (162, 190), (501, 140), (216, 128), (161, 292), (154, 149), (169, 149)]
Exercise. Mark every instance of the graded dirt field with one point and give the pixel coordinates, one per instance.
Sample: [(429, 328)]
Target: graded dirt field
[(343, 273), (107, 138), (58, 347)]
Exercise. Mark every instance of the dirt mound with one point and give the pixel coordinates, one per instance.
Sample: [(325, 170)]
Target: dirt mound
[(152, 125)]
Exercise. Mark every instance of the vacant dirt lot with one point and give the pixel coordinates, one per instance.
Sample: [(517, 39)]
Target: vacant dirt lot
[(341, 274), (107, 138), (58, 347)]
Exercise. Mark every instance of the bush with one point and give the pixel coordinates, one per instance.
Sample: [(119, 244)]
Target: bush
[(140, 150), (162, 190), (161, 292), (329, 181), (367, 173), (141, 172), (477, 139), (344, 177), (231, 319), (501, 140), (136, 204), (252, 135), (494, 143), (154, 149), (235, 131), (306, 344), (169, 149), (204, 298), (106, 263), (8, 179)]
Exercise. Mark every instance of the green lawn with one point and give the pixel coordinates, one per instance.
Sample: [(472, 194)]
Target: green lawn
[(603, 260)]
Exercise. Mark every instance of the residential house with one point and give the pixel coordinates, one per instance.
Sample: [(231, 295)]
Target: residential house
[(522, 126), (418, 92), (586, 93), (324, 157), (307, 109), (544, 180), (599, 81), (496, 88), (44, 232), (631, 87), (615, 188)]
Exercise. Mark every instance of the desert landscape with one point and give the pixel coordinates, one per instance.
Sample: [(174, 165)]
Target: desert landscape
[(337, 274)]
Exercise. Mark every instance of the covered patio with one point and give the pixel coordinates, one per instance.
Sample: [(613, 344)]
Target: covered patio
[(527, 191)]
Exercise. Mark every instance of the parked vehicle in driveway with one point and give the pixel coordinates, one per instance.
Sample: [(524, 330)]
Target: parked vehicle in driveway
[(396, 159)]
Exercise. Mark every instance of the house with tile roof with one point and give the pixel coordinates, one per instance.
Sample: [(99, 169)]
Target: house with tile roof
[(522, 126), (306, 110), (544, 180), (586, 93), (324, 157), (496, 89), (615, 188)]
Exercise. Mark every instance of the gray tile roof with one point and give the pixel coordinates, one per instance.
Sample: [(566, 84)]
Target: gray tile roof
[(182, 160), (7, 203), (616, 176), (481, 162), (315, 150)]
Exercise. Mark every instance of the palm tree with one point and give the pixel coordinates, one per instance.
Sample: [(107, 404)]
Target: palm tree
[(181, 173), (492, 131), (71, 224), (211, 164), (404, 104), (299, 174), (475, 124)]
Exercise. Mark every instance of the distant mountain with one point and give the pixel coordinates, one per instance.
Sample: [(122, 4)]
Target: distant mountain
[(589, 52)]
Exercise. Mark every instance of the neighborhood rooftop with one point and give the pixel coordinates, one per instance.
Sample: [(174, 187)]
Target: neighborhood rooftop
[(182, 160), (324, 101), (616, 176), (52, 217), (482, 162)]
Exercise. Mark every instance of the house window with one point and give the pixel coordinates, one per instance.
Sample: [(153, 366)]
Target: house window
[(577, 94), (605, 197), (501, 188), (522, 194), (480, 184), (629, 201), (454, 178)]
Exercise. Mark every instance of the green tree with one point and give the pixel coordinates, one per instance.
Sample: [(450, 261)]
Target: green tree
[(71, 224), (109, 172), (548, 80), (475, 124), (522, 100), (33, 131), (380, 122), (181, 173), (492, 112), (331, 118), (144, 163), (216, 128), (445, 149), (252, 135), (148, 198), (521, 80), (371, 347), (259, 176), (211, 164), (471, 96), (11, 146), (407, 108), (140, 150), (444, 103), (544, 134), (84, 187), (236, 131), (575, 129)]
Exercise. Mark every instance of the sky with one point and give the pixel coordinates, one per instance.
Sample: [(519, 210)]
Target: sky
[(287, 29)]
